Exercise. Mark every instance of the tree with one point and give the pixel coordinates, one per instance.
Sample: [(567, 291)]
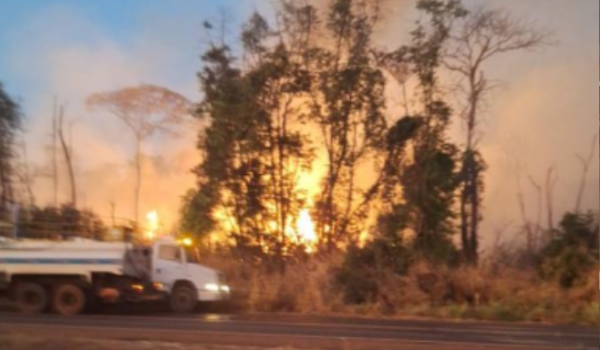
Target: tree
[(574, 252), (585, 163), (63, 222), (10, 122), (480, 37), (68, 154), (253, 148), (348, 106), (146, 110), (418, 179)]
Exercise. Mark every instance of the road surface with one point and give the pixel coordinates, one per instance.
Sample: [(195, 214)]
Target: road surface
[(305, 332)]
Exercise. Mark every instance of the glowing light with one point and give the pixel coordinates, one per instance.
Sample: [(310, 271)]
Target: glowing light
[(152, 224), (187, 242), (306, 231), (363, 238)]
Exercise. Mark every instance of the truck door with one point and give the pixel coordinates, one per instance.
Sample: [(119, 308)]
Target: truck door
[(168, 265)]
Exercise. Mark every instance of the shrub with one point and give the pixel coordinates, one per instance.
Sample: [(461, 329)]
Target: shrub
[(361, 272), (570, 256)]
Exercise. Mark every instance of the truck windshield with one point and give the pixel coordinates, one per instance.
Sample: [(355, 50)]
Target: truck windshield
[(192, 255)]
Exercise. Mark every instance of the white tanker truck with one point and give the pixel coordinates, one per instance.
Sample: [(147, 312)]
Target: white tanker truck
[(67, 276)]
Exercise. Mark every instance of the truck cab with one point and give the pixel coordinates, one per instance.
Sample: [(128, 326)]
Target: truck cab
[(176, 270)]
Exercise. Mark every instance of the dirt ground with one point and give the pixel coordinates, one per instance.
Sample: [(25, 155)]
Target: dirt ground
[(20, 342)]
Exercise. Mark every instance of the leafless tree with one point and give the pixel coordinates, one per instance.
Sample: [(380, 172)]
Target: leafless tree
[(24, 174), (146, 110), (540, 200), (585, 163), (481, 36), (54, 136), (523, 208), (551, 178), (67, 152)]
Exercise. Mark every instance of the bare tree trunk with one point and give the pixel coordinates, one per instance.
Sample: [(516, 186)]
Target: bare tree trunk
[(112, 213), (526, 223), (138, 179), (464, 218), (475, 202), (470, 195), (27, 177), (550, 182), (585, 162), (68, 156), (538, 224), (54, 156)]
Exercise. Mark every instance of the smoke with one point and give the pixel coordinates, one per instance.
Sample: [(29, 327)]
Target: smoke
[(543, 116), (67, 57)]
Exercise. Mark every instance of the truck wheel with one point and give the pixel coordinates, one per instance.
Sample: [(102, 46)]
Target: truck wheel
[(69, 300), (31, 298), (183, 300)]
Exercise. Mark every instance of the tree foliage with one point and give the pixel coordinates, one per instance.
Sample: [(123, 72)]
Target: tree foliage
[(10, 122), (418, 179), (253, 150), (348, 105), (63, 222), (146, 110), (569, 257)]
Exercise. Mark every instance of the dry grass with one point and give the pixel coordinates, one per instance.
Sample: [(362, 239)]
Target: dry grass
[(483, 293)]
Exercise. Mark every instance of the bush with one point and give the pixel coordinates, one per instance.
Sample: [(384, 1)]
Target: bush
[(570, 256), (363, 269), (61, 222)]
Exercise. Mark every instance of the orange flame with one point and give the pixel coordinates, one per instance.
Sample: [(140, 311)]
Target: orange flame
[(152, 224), (306, 231)]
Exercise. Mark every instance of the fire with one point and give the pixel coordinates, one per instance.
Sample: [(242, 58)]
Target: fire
[(306, 231), (152, 224)]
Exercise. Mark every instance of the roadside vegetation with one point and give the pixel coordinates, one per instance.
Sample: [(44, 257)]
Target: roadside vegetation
[(408, 242), (509, 285), (392, 226)]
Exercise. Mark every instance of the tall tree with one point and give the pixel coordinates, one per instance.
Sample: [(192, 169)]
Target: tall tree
[(348, 105), (146, 110), (419, 174), (481, 36), (254, 151), (10, 122)]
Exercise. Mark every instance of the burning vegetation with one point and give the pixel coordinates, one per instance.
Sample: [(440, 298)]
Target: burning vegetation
[(303, 100)]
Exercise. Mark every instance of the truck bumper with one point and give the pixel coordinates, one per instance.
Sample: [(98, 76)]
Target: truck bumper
[(113, 295), (211, 296)]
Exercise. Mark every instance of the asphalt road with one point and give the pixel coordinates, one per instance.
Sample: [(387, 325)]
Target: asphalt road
[(306, 331)]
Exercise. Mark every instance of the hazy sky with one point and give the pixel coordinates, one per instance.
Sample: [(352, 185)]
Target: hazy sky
[(545, 113)]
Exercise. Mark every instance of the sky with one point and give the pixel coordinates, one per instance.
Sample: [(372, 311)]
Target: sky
[(544, 114)]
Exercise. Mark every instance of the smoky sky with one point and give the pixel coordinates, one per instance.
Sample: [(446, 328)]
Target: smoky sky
[(544, 114)]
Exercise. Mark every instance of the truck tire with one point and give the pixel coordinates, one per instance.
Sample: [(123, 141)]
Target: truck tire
[(69, 300), (32, 298), (183, 299)]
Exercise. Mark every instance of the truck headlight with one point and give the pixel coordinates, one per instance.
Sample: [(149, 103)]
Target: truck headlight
[(211, 287), (225, 289)]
